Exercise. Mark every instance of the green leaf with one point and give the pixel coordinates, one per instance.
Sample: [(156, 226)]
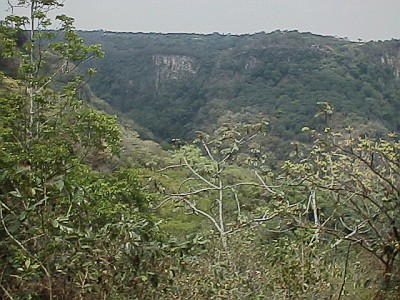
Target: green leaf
[(27, 263), (55, 223), (59, 184), (16, 194)]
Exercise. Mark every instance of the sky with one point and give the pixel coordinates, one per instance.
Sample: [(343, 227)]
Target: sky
[(354, 19)]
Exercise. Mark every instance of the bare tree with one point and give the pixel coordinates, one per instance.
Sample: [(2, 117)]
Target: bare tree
[(208, 167)]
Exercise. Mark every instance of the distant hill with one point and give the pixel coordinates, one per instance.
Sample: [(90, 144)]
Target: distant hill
[(174, 84)]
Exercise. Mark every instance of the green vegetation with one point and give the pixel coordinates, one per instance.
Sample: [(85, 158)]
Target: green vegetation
[(88, 210), (175, 84), (67, 231)]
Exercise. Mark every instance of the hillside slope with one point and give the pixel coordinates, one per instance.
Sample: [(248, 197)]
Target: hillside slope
[(174, 84)]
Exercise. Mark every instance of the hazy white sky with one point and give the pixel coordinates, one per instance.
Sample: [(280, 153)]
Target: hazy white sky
[(365, 19)]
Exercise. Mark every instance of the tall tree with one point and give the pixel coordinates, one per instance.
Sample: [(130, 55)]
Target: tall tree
[(208, 177), (65, 231)]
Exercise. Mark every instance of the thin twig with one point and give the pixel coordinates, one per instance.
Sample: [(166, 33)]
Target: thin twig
[(171, 167), (199, 211), (239, 213), (194, 192), (7, 293), (264, 184), (198, 175), (345, 272)]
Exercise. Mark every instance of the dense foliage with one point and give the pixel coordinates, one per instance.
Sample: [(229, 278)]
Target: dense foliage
[(174, 84), (67, 232), (353, 187), (214, 219)]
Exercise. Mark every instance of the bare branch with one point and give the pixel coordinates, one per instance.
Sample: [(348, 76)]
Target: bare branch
[(198, 175), (265, 217), (264, 184), (344, 272), (171, 167), (6, 292), (347, 237), (183, 182), (201, 212), (383, 178), (196, 192), (238, 210), (163, 202), (207, 150)]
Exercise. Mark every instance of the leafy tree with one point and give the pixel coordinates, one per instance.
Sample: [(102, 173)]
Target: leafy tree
[(357, 183), (66, 231)]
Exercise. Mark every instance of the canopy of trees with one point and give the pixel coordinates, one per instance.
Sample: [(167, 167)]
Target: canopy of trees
[(89, 211), (175, 84)]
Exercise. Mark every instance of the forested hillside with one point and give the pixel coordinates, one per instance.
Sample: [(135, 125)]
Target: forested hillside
[(88, 210), (174, 84)]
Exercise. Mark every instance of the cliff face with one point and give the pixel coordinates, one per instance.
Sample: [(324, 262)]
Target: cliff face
[(173, 67), (394, 63)]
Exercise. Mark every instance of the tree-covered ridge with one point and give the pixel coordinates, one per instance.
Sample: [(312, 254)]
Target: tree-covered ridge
[(208, 220), (176, 83)]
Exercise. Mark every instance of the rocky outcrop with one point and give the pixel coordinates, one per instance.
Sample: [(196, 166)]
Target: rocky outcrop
[(394, 62), (173, 67), (251, 63)]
